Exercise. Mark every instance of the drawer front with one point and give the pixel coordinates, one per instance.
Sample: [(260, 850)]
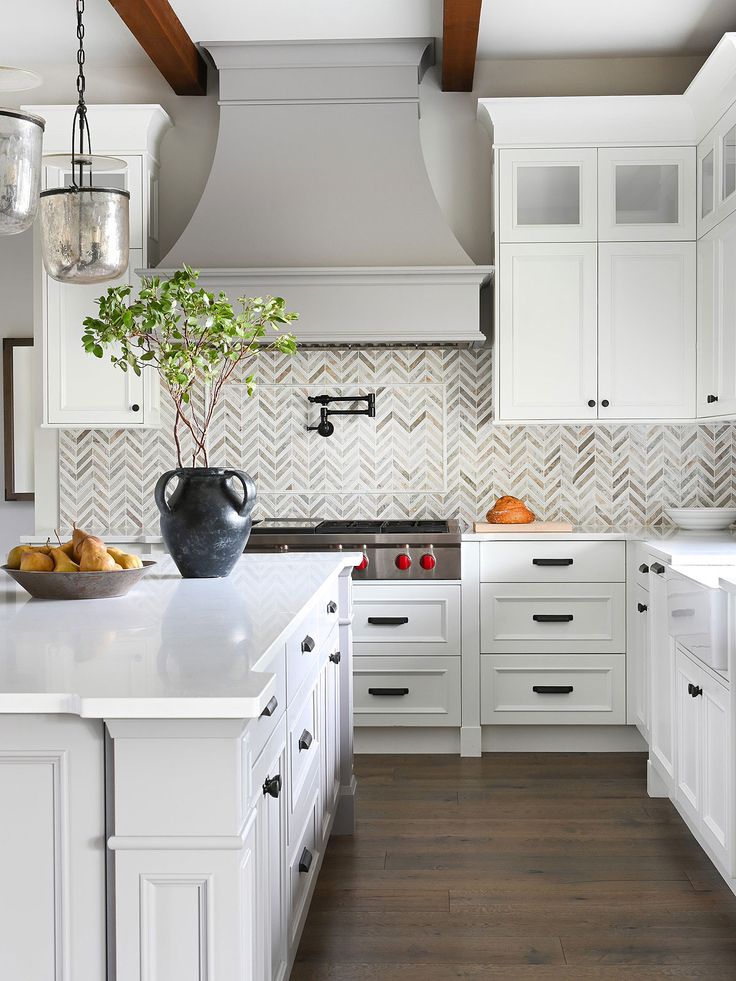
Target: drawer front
[(581, 618), (406, 618), (553, 561), (402, 691), (697, 619), (304, 746), (302, 652), (579, 689), (302, 868), (261, 729)]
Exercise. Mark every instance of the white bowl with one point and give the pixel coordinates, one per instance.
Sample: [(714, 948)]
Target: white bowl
[(702, 519)]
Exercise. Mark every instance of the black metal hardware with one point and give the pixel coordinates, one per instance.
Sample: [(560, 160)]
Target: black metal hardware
[(688, 612), (388, 691), (135, 407), (552, 562), (388, 621), (642, 607), (591, 403), (644, 568), (332, 607), (305, 860), (552, 689), (273, 704), (657, 568), (307, 645), (336, 657), (710, 399), (305, 740), (552, 617), (272, 786), (325, 427), (694, 690), (605, 403)]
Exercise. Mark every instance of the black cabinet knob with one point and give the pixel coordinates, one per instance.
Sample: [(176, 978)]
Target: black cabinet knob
[(605, 403), (657, 568), (305, 740), (710, 399), (642, 607), (591, 403), (694, 690), (307, 645), (332, 607), (273, 704), (272, 786), (336, 657), (305, 860), (135, 407), (644, 568)]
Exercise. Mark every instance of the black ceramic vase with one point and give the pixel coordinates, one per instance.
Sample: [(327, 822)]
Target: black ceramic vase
[(205, 523)]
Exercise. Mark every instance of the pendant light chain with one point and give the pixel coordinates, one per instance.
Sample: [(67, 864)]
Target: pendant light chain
[(80, 126)]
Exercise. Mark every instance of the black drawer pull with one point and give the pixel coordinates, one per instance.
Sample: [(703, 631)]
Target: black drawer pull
[(305, 740), (657, 568), (644, 568), (273, 704), (332, 607), (694, 690), (305, 861), (552, 562), (307, 645), (552, 617), (388, 691), (336, 657), (642, 607), (388, 621), (272, 786), (552, 689)]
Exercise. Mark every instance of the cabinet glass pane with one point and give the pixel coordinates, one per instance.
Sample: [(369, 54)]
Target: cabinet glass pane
[(548, 194), (706, 184), (646, 194), (729, 163)]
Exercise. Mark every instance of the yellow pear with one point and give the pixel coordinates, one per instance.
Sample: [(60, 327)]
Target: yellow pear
[(62, 562), (78, 536), (16, 554), (36, 562), (68, 548), (125, 560), (94, 557)]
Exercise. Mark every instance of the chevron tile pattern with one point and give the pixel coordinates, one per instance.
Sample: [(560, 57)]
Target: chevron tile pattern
[(431, 450)]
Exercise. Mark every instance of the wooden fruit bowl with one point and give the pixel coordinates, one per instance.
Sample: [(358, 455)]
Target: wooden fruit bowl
[(78, 585)]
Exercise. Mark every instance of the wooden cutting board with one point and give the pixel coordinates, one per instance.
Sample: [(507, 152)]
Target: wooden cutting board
[(533, 527)]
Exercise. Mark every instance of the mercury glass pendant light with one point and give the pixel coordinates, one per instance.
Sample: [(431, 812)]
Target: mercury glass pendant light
[(21, 137), (84, 228)]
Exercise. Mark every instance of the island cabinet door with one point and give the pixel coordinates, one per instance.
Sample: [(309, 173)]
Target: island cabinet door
[(661, 678), (52, 852)]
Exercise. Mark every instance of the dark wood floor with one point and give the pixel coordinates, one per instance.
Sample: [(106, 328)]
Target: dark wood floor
[(516, 866)]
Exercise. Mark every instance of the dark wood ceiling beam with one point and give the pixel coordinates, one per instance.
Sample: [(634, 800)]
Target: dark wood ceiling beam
[(161, 35), (460, 22)]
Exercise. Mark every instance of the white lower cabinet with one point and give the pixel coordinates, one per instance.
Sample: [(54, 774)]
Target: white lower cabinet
[(638, 660), (391, 618), (661, 679), (407, 691)]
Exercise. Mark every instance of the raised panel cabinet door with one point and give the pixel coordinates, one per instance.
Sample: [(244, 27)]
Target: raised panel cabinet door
[(717, 321), (638, 658), (548, 332), (661, 681), (716, 782), (688, 680), (646, 330), (548, 195), (271, 887), (646, 194)]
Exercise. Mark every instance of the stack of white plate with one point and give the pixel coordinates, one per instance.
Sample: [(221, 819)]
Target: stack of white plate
[(702, 519)]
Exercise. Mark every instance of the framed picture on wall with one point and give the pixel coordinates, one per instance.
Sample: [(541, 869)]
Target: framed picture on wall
[(18, 417)]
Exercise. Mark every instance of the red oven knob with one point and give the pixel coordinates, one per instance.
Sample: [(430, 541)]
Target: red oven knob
[(363, 564), (403, 562), (428, 562)]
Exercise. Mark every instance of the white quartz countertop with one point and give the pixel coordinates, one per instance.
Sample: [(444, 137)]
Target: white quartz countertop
[(172, 648)]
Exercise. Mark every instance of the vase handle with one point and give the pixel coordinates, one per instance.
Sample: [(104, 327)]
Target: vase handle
[(159, 492), (249, 490)]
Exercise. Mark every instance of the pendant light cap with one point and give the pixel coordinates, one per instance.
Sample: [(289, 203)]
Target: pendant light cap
[(93, 163), (18, 79)]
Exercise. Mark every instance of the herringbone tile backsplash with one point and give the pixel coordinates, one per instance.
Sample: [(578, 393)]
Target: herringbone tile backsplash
[(431, 451)]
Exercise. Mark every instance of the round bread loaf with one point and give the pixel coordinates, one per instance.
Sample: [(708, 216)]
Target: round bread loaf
[(509, 511)]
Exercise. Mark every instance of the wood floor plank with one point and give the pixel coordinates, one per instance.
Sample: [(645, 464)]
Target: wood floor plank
[(340, 971)]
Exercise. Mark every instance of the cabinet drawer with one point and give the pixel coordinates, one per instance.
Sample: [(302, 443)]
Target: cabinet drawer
[(575, 688), (402, 691), (553, 561), (579, 618), (261, 729), (302, 652), (302, 869), (303, 746), (405, 618)]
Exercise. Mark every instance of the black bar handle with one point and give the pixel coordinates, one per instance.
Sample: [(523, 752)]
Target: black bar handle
[(552, 689), (307, 645), (332, 607), (642, 607), (545, 562), (305, 740), (273, 704), (305, 861), (685, 612), (552, 617), (657, 568), (644, 568), (388, 691), (388, 621), (272, 786), (336, 657)]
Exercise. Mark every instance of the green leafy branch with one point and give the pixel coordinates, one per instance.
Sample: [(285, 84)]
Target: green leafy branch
[(193, 339)]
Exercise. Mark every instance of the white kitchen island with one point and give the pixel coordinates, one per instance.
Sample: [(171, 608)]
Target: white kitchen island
[(172, 764)]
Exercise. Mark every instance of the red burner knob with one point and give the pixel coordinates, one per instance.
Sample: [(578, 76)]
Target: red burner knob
[(428, 561), (403, 562), (363, 564)]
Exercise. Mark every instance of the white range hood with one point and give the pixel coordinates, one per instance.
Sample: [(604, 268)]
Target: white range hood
[(319, 193)]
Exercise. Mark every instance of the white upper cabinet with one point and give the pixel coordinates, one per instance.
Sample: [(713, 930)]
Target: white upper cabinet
[(646, 330), (708, 178), (548, 195), (548, 331), (646, 194), (717, 320)]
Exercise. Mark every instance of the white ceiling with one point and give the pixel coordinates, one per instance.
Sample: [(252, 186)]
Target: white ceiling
[(44, 30)]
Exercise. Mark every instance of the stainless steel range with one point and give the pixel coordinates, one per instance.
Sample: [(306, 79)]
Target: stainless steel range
[(404, 550)]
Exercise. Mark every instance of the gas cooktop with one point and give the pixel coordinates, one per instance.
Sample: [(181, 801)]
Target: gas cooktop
[(297, 526)]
